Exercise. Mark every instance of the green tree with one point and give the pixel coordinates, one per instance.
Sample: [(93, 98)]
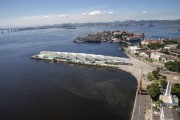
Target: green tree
[(158, 69), (175, 89), (119, 36), (163, 84), (154, 91), (155, 46), (155, 74), (168, 42), (159, 103), (178, 46), (165, 51), (140, 45), (173, 66)]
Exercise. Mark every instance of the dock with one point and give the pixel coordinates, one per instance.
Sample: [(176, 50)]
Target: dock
[(82, 58)]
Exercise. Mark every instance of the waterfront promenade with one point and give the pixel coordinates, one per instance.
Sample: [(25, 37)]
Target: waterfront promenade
[(136, 68), (141, 106)]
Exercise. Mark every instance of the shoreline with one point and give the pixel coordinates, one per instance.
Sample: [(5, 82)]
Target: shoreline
[(134, 66)]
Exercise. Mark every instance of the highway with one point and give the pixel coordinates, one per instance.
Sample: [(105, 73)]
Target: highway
[(139, 112)]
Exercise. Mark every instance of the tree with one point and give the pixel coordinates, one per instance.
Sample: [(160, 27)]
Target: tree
[(178, 46), (163, 84), (169, 42), (140, 45), (173, 66), (165, 51), (155, 74), (159, 103), (155, 46), (119, 36), (154, 91), (175, 89), (158, 69)]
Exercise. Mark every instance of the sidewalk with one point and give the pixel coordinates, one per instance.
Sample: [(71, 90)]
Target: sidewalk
[(137, 68)]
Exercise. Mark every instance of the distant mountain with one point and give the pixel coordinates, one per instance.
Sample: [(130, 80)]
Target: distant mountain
[(148, 23), (132, 23), (152, 22), (118, 23)]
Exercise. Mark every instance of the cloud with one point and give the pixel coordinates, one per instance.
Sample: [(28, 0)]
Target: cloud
[(111, 12), (93, 16), (83, 13), (61, 16), (144, 12), (47, 16), (95, 13), (85, 16), (100, 12)]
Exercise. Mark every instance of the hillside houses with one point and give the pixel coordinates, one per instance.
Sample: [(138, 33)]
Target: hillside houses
[(153, 54)]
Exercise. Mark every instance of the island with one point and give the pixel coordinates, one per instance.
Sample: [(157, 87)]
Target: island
[(110, 36)]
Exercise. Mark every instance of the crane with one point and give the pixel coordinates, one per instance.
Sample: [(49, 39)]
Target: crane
[(140, 83)]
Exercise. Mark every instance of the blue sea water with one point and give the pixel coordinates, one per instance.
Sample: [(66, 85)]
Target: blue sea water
[(37, 90)]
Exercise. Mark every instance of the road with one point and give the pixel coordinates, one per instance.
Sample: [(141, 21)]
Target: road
[(139, 112)]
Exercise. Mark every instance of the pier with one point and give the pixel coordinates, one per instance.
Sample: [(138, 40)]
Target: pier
[(83, 58)]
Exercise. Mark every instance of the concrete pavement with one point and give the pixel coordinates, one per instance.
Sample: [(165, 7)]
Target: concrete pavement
[(139, 112)]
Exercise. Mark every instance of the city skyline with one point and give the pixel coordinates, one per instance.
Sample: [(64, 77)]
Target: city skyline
[(31, 12)]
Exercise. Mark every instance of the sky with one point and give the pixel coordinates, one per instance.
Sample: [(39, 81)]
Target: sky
[(42, 12)]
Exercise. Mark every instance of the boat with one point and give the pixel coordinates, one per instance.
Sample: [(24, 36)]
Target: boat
[(120, 48)]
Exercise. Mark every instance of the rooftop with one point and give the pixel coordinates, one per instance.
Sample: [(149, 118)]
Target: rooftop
[(168, 115), (83, 56)]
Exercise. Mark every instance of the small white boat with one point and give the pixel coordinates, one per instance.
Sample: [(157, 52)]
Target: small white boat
[(120, 48)]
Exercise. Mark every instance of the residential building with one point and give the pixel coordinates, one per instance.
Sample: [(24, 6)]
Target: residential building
[(166, 114), (135, 38), (175, 52), (167, 58), (117, 33), (157, 55), (134, 49), (169, 114), (144, 53), (172, 46), (177, 39)]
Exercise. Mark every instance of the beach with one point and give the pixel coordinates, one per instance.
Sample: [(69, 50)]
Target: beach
[(138, 69)]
